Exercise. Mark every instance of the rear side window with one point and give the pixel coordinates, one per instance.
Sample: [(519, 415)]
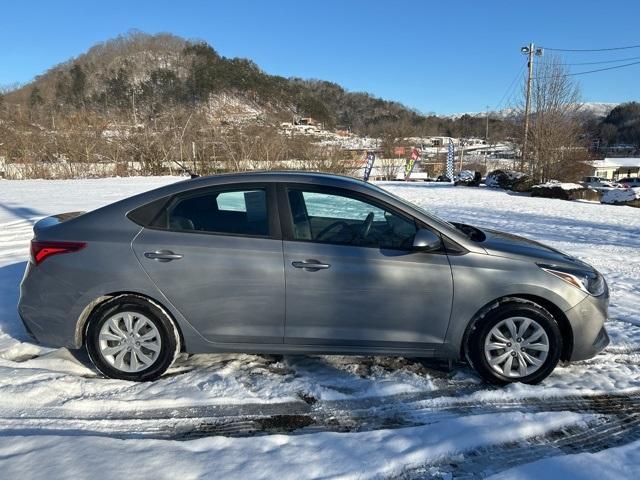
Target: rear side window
[(240, 212)]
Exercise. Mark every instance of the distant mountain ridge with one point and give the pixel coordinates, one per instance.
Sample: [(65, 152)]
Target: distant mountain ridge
[(596, 109)]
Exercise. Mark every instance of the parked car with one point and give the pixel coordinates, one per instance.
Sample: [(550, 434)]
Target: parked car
[(300, 263), (629, 182), (468, 178), (598, 183)]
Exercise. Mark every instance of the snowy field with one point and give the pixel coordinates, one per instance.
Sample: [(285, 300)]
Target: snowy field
[(293, 417)]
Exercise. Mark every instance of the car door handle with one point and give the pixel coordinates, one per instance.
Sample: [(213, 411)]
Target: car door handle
[(163, 255), (311, 265)]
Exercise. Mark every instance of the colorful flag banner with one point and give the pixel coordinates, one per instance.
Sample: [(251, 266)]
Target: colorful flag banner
[(408, 169), (450, 158), (371, 158)]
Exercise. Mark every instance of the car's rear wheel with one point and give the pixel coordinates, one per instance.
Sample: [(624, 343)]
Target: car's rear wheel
[(131, 338), (515, 341)]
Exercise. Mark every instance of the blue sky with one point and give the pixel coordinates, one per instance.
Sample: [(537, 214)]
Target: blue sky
[(441, 57)]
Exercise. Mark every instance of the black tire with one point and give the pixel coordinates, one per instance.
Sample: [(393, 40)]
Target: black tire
[(512, 307), (169, 335)]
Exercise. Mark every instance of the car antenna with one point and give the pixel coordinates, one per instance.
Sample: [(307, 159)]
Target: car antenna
[(185, 169)]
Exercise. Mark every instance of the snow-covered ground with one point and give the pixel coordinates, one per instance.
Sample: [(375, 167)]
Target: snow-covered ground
[(252, 416)]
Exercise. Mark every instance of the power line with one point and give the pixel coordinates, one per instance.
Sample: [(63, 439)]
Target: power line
[(510, 87), (591, 71), (598, 63), (590, 49)]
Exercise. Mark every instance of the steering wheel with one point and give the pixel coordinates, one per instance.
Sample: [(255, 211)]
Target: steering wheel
[(329, 228), (366, 226)]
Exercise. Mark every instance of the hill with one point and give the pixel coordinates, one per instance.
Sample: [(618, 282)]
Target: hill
[(143, 75)]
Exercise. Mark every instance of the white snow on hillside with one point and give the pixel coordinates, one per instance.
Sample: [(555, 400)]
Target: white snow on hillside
[(360, 417), (597, 109)]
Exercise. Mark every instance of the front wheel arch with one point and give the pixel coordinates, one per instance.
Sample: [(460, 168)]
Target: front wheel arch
[(555, 311), (479, 346)]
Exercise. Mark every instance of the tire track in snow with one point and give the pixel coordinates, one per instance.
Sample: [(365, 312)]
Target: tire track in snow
[(607, 432), (183, 423)]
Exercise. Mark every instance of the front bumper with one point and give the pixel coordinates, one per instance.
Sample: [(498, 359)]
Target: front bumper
[(587, 324)]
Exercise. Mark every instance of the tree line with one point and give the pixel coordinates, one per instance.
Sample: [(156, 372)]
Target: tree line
[(144, 100)]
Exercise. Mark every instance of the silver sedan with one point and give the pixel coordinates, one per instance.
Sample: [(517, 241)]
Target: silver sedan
[(286, 262)]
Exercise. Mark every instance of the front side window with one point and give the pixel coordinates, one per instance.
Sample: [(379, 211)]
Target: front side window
[(345, 220), (241, 212)]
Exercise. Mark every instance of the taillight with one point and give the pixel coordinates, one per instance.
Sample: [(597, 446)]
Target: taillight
[(40, 250)]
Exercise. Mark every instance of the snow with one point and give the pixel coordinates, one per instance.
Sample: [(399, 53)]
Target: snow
[(321, 455), (621, 195), (626, 162), (563, 185), (614, 463), (56, 413)]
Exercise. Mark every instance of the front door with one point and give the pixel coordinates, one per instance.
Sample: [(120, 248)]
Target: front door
[(215, 255), (353, 278)]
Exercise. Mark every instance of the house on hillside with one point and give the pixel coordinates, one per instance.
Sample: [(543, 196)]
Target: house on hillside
[(443, 141), (309, 122), (616, 168)]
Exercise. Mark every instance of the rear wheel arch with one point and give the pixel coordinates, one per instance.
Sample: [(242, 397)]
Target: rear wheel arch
[(555, 311), (83, 320)]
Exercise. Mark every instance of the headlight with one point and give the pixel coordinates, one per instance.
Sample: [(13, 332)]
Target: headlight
[(589, 281)]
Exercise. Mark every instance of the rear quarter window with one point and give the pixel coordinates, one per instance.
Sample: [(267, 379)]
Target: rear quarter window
[(146, 215)]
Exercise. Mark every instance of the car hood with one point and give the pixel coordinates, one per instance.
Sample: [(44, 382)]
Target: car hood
[(513, 246)]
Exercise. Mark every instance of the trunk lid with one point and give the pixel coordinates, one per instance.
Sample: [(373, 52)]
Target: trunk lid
[(53, 220)]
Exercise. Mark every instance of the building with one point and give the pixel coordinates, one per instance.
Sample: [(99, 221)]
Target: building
[(442, 141), (308, 122), (616, 168)]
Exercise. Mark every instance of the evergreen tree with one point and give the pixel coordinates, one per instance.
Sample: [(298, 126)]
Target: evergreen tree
[(35, 98)]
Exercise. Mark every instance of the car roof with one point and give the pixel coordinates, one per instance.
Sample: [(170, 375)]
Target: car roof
[(284, 176), (277, 176), (310, 178)]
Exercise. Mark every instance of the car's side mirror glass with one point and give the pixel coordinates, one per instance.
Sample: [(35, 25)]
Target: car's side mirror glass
[(426, 241)]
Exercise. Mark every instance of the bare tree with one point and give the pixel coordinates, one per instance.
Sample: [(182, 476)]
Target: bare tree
[(554, 129)]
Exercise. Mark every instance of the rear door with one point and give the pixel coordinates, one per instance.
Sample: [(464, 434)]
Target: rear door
[(352, 276), (216, 254)]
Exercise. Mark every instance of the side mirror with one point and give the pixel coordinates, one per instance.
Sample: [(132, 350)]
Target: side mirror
[(426, 241)]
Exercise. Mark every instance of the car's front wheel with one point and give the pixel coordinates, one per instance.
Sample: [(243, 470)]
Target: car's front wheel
[(515, 341), (131, 338)]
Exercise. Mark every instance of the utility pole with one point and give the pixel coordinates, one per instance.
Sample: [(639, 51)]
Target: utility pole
[(527, 107), (193, 154), (529, 51), (486, 140), (486, 129), (133, 106)]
